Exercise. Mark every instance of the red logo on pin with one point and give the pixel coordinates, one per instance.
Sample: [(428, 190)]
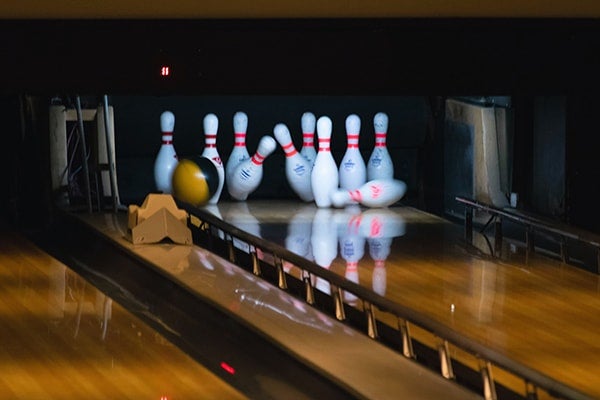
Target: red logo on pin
[(217, 160), (375, 191)]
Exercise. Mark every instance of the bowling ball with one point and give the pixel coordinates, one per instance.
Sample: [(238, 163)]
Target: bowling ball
[(195, 180)]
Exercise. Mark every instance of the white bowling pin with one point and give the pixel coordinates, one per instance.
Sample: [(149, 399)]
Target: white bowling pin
[(308, 122), (297, 168), (380, 165), (211, 127), (166, 159), (248, 175), (353, 171), (375, 193), (239, 152), (324, 175)]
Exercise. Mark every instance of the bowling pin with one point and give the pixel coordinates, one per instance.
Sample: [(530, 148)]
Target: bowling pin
[(211, 127), (324, 175), (239, 152), (166, 159), (297, 168), (308, 122), (353, 171), (375, 193), (248, 175), (380, 165)]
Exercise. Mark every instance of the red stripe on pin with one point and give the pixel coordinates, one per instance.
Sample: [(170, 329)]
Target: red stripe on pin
[(289, 149), (324, 149), (380, 135), (239, 135), (352, 146), (210, 145), (355, 195), (308, 134), (258, 159), (167, 142)]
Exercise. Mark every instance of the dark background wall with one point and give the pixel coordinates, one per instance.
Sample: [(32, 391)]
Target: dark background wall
[(583, 162), (277, 69), (549, 158)]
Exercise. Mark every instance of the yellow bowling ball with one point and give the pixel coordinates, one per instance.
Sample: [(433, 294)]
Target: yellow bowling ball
[(195, 181)]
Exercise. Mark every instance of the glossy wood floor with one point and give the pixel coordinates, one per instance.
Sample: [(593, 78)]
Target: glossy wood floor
[(60, 338), (360, 365), (537, 311)]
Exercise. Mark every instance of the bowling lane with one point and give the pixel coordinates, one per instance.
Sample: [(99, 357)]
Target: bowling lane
[(61, 338), (359, 366), (539, 312)]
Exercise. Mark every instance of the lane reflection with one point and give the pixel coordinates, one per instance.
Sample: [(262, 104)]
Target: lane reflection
[(338, 239), (331, 238), (63, 338)]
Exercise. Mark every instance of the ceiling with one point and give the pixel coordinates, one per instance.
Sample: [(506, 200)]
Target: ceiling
[(197, 9)]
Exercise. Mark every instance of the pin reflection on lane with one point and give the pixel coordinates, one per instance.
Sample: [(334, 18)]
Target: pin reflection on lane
[(378, 227), (352, 245), (324, 244), (315, 233), (239, 215), (298, 239)]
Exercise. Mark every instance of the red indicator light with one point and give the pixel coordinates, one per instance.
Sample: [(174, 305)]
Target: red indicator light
[(227, 367), (165, 71)]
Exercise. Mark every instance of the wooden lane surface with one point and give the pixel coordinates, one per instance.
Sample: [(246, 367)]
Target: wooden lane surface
[(52, 345), (361, 366), (540, 312)]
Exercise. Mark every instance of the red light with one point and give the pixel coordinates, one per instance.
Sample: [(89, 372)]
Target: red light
[(227, 367), (165, 71)]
